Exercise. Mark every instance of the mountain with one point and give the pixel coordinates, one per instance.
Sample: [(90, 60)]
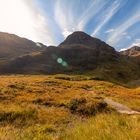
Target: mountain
[(12, 46), (133, 51), (80, 51), (80, 38), (86, 51), (78, 54)]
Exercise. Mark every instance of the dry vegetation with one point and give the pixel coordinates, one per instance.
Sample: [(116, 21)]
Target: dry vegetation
[(62, 107)]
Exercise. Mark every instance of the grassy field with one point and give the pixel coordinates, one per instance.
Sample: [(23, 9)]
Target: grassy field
[(62, 107)]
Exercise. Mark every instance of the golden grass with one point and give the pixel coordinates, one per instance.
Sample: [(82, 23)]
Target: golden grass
[(106, 127), (64, 107)]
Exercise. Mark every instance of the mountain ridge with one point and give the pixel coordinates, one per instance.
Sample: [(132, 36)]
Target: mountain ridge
[(77, 57)]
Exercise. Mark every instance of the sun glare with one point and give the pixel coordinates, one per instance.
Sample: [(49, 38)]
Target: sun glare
[(15, 17)]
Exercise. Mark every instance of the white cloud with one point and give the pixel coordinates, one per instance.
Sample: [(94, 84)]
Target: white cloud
[(135, 43), (67, 19), (95, 7), (66, 33), (126, 35), (129, 37), (116, 36), (110, 31), (108, 14), (123, 49), (64, 18), (137, 40)]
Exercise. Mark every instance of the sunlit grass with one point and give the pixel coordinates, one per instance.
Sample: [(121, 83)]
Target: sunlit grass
[(65, 107), (106, 127)]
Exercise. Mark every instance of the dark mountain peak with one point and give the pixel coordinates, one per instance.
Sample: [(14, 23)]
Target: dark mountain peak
[(81, 38), (78, 35), (133, 51)]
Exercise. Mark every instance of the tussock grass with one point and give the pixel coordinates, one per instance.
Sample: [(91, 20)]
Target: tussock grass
[(88, 107), (42, 107), (106, 127)]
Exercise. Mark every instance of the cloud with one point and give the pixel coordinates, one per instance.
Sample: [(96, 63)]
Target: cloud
[(123, 49), (25, 18), (90, 13), (135, 43), (40, 26), (66, 33), (129, 37), (126, 35), (109, 31), (116, 36), (64, 18), (108, 14), (69, 21)]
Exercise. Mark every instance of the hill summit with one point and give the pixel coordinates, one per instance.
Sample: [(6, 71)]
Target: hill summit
[(81, 38), (133, 51)]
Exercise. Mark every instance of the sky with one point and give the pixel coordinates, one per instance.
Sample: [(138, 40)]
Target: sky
[(117, 22)]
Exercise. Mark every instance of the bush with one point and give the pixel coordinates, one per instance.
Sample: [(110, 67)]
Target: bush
[(17, 86), (86, 87), (84, 107), (21, 117), (92, 108), (74, 103)]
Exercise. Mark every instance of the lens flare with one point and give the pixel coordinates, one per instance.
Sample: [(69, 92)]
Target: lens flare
[(60, 60), (65, 64)]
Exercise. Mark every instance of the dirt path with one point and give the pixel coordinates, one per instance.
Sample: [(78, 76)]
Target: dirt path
[(120, 107)]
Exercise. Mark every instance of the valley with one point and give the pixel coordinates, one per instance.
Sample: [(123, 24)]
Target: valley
[(81, 89)]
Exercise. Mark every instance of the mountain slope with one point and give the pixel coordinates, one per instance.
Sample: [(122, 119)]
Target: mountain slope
[(133, 51), (78, 54), (12, 46)]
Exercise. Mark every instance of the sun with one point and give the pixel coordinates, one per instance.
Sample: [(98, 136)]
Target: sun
[(16, 17)]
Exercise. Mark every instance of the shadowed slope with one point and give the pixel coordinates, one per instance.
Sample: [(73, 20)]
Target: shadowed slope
[(12, 46)]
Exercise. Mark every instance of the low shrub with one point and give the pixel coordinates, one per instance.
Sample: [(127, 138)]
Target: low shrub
[(74, 103), (17, 86), (86, 87), (87, 107), (21, 117)]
